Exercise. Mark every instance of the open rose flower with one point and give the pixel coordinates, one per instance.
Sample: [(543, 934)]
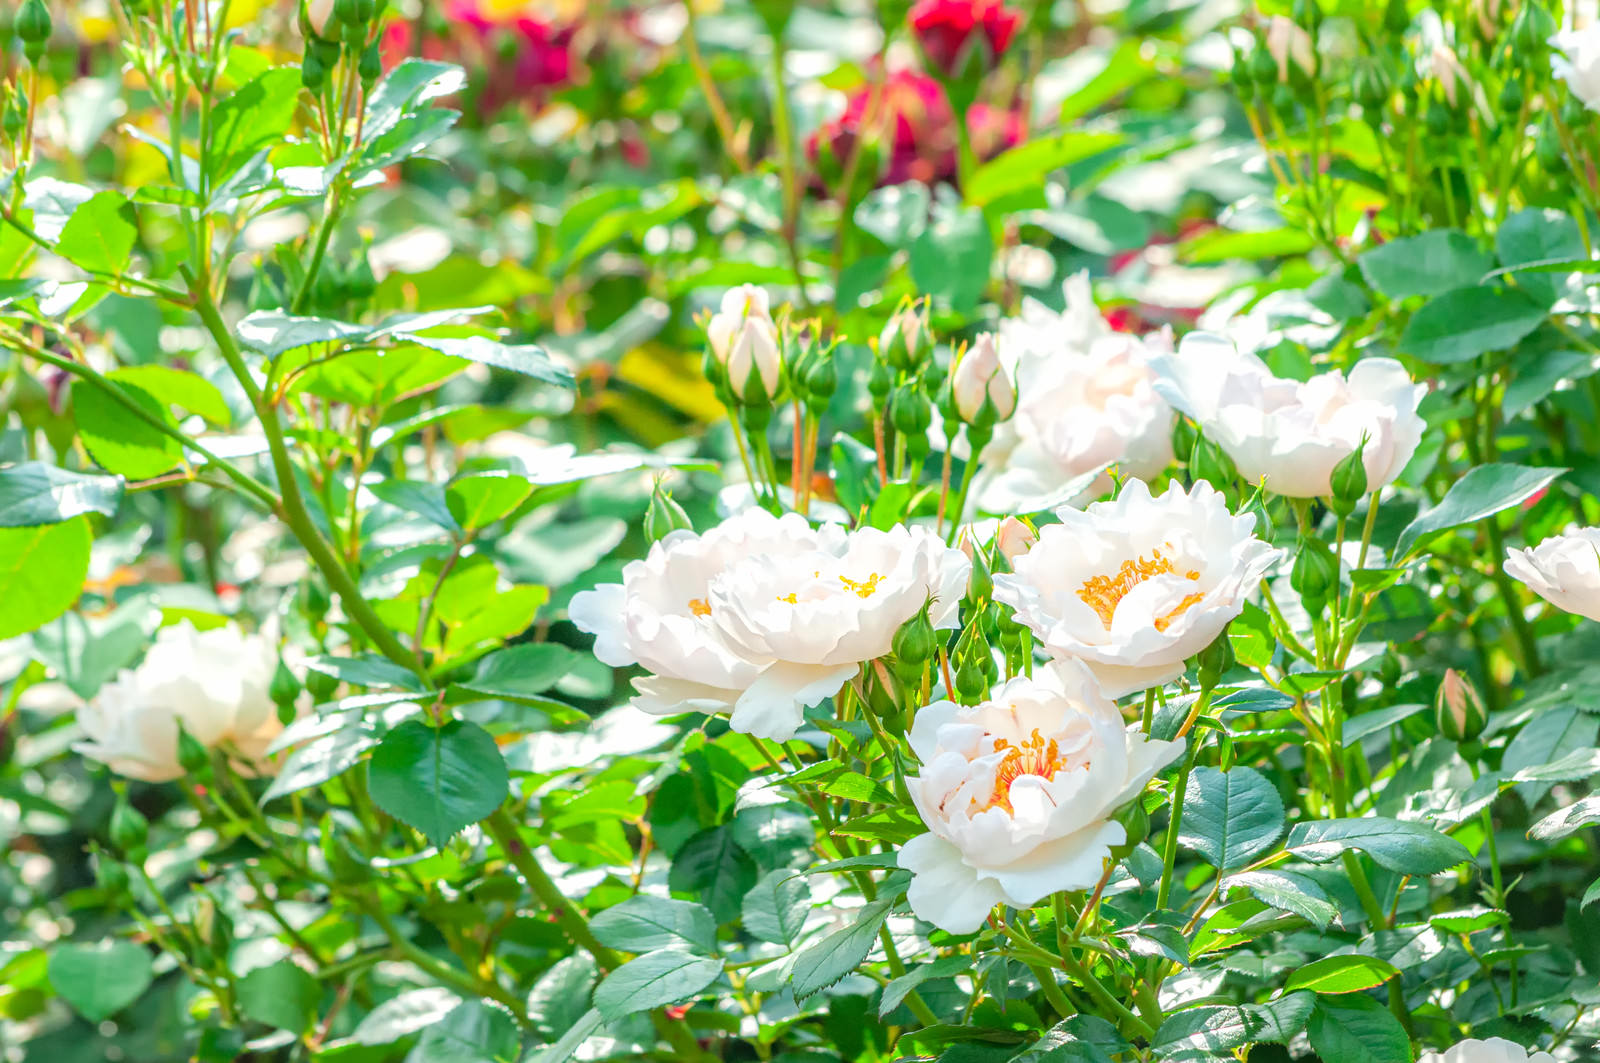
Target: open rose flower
[(1288, 432), (1576, 61), (1490, 1050), (214, 682), (815, 615), (1564, 570), (763, 617), (1018, 794), (1136, 586), (1080, 408)]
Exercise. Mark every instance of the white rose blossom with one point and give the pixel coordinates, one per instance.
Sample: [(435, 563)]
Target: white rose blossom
[(1018, 794), (1136, 586), (1084, 401), (1577, 62), (1288, 432), (763, 617), (1564, 570), (214, 682), (1490, 1050)]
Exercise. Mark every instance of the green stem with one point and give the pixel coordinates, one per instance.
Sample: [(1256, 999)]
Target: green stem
[(1104, 997), (783, 130), (330, 216)]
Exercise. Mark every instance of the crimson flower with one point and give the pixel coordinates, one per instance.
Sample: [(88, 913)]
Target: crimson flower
[(946, 30)]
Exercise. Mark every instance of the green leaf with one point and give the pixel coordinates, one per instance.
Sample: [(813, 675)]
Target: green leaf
[(1357, 1029), (100, 235), (1341, 974), (1432, 263), (1027, 165), (478, 501), (520, 673), (1535, 235), (118, 440), (438, 780), (1462, 324), (561, 995), (408, 86), (1565, 821), (177, 387), (100, 980), (37, 492), (572, 1040), (273, 333), (1219, 1029), (42, 571), (644, 923), (1401, 846), (475, 1031), (403, 1015), (775, 910), (1220, 245), (426, 500), (1537, 378), (1230, 817), (654, 980), (1358, 727), (895, 214), (1484, 491), (526, 358), (1545, 739), (950, 259), (822, 964), (897, 990), (712, 865), (282, 995), (1289, 892), (252, 117), (85, 653)]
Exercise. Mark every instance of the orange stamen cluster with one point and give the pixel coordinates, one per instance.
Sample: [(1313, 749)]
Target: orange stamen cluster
[(1103, 593), (699, 607), (1035, 756)]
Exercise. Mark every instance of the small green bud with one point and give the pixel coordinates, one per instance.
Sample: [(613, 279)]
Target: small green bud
[(972, 683), (915, 641), (284, 687), (348, 12), (822, 377), (1283, 100), (1216, 660), (1208, 462), (109, 873), (33, 23), (1308, 13), (664, 515), (321, 685), (880, 382), (1263, 68), (1239, 72), (1371, 90), (359, 283), (1531, 31), (192, 756), (910, 411), (1349, 481), (129, 830), (980, 585), (905, 341), (12, 119), (313, 74), (1548, 147), (1438, 119), (1458, 710), (370, 69), (1136, 825), (775, 14), (1511, 98), (1315, 575)]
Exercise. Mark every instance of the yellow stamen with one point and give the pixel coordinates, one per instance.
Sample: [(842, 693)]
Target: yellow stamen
[(862, 588), (790, 598), (699, 607), (1104, 593), (1035, 756)]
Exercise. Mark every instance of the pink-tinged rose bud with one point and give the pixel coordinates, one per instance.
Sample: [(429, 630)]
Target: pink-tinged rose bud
[(1014, 537), (980, 378), (1287, 41), (1449, 72), (317, 13), (755, 356)]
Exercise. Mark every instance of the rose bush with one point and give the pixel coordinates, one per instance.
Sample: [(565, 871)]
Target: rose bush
[(957, 531)]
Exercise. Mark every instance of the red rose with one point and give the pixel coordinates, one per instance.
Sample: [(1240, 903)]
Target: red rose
[(945, 29)]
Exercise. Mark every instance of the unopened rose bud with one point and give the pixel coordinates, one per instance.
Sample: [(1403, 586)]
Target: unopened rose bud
[(754, 366), (904, 342), (910, 411), (738, 304), (664, 515), (109, 873), (1136, 825), (916, 641), (1288, 45), (321, 685), (1396, 18), (318, 12), (1315, 575), (1349, 481), (193, 757), (983, 390), (1450, 74), (1013, 538), (128, 830), (1458, 710), (1216, 660), (284, 688)]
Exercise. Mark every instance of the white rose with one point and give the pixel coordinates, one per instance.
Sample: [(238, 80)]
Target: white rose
[(978, 377), (215, 682), (659, 616), (1577, 62), (738, 305), (1289, 432), (820, 610), (1492, 1050), (755, 357), (1564, 570), (1018, 794), (1136, 586), (1080, 410)]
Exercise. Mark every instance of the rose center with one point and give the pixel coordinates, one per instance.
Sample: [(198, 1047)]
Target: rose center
[(1035, 756), (699, 607), (1103, 593), (862, 588)]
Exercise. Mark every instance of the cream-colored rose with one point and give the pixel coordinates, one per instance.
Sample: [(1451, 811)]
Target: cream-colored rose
[(214, 682), (1577, 62), (980, 377), (740, 304), (1564, 570), (1136, 586), (1018, 794), (1491, 1050), (1288, 432)]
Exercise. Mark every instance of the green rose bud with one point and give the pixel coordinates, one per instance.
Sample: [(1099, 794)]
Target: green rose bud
[(880, 382), (192, 756), (1349, 481), (664, 515), (1216, 660), (321, 684), (1315, 576), (916, 641), (129, 830), (33, 23), (910, 411), (109, 873), (284, 687), (1458, 709)]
